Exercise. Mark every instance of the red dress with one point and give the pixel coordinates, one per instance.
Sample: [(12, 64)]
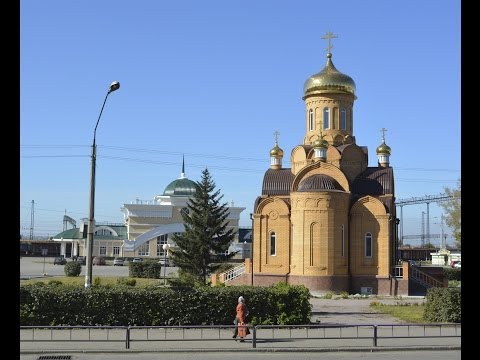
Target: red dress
[(241, 320), (241, 309)]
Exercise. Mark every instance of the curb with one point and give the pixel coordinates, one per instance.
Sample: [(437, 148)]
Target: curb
[(264, 350)]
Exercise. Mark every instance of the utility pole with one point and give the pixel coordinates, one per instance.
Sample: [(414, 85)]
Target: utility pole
[(444, 245), (427, 199), (32, 212), (423, 229)]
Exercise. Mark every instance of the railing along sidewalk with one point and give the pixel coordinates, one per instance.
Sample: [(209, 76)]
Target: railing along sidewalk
[(313, 336)]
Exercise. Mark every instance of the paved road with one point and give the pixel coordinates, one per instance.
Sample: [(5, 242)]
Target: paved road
[(32, 267)]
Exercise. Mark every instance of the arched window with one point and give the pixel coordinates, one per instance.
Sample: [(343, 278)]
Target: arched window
[(343, 119), (368, 245), (326, 118), (273, 244), (311, 122)]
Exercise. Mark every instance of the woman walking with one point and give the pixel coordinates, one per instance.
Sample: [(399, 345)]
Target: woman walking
[(241, 320)]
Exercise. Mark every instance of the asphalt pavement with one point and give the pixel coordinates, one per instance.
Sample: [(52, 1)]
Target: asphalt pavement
[(34, 267)]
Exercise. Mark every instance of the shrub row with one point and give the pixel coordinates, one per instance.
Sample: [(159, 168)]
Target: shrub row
[(453, 273), (149, 269), (53, 304), (443, 305)]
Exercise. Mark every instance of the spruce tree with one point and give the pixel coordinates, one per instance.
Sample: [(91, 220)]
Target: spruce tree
[(206, 234)]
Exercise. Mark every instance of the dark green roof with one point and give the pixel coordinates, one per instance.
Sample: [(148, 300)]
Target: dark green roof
[(180, 187), (69, 234)]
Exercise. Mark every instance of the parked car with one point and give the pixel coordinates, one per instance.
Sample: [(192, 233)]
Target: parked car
[(98, 260), (81, 259), (458, 265), (453, 263), (137, 259), (118, 262), (59, 260)]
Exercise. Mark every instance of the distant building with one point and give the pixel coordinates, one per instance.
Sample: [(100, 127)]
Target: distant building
[(108, 240), (148, 225), (151, 223)]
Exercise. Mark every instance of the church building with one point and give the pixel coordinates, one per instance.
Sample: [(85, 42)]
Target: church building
[(328, 222)]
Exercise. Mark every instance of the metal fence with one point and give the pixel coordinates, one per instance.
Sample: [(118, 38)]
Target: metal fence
[(207, 336)]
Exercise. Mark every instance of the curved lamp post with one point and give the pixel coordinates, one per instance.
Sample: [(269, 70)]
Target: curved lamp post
[(165, 249), (91, 218)]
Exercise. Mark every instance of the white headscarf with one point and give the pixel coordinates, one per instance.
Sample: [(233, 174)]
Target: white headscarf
[(241, 299)]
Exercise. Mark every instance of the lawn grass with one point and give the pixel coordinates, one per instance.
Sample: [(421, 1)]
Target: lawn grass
[(411, 313)]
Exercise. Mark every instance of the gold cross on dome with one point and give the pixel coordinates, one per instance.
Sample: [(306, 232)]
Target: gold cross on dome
[(383, 133), (329, 36), (276, 133)]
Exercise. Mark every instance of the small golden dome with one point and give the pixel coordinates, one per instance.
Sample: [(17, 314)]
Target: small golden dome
[(320, 143), (329, 80), (383, 149), (276, 151)]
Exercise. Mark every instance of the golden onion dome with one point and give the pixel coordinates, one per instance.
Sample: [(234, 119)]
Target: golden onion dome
[(383, 149), (276, 151), (329, 80), (320, 143)]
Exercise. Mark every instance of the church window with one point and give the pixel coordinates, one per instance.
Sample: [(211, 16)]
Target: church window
[(334, 118), (314, 234), (326, 118), (343, 119), (368, 245), (273, 244), (311, 122)]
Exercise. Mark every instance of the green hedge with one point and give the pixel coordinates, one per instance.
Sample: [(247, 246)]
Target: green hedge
[(443, 305), (44, 304), (149, 269), (453, 273)]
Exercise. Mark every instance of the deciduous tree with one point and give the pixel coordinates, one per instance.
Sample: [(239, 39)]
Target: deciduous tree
[(453, 211)]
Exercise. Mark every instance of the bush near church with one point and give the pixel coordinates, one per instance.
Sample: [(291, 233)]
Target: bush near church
[(444, 305), (452, 274), (148, 269), (72, 268)]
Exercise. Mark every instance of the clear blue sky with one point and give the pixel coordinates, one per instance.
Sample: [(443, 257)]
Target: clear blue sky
[(212, 80)]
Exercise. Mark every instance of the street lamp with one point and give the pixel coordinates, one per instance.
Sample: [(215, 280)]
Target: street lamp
[(91, 218), (165, 247)]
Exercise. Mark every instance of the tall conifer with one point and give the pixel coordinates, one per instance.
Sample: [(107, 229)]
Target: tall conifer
[(202, 247)]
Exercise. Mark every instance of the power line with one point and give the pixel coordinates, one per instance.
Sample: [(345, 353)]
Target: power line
[(426, 199)]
